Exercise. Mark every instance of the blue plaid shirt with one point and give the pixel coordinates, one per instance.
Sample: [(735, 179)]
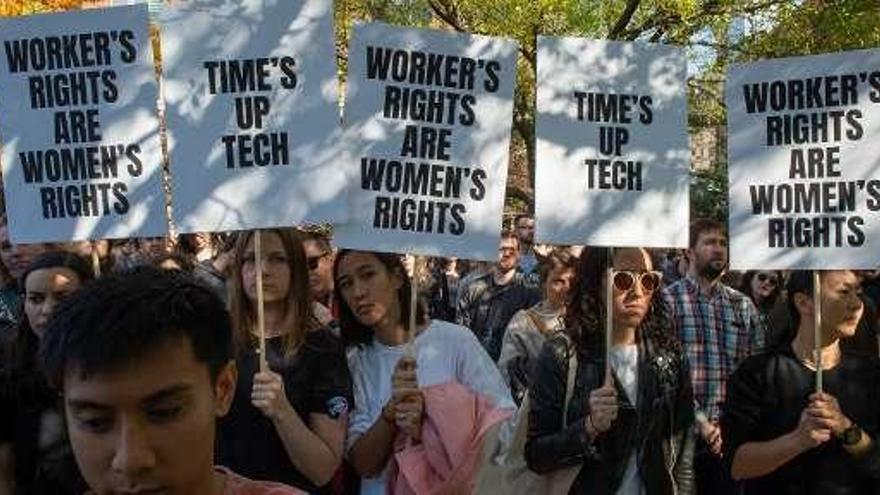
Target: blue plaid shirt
[(718, 330)]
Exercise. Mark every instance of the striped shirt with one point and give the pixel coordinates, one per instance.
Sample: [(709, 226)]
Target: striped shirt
[(718, 330)]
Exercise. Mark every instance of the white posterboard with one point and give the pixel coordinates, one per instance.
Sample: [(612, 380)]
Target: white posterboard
[(81, 154), (805, 162), (250, 89), (427, 120), (612, 155)]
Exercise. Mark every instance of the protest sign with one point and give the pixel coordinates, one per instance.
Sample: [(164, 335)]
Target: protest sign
[(81, 155), (427, 122), (250, 89), (612, 149), (805, 162)]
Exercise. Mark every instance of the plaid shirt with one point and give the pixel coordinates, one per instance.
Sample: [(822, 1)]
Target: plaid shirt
[(718, 331)]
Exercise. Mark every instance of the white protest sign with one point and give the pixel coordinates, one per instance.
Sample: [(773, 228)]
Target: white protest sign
[(427, 120), (250, 89), (612, 155), (81, 153), (805, 162)]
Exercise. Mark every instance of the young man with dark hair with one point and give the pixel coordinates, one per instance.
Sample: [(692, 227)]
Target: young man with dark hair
[(524, 226), (719, 327), (144, 364), (488, 301)]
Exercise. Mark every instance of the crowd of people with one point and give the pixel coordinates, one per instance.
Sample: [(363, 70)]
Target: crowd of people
[(137, 366)]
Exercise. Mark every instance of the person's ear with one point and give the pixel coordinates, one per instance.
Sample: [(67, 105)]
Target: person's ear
[(803, 302), (224, 388)]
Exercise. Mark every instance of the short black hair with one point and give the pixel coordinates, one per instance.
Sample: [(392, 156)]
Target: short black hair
[(120, 317)]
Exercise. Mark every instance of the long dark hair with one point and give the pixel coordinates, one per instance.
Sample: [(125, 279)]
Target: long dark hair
[(18, 362), (585, 317), (353, 331)]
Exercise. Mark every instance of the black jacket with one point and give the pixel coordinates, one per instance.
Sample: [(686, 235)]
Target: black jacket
[(660, 428)]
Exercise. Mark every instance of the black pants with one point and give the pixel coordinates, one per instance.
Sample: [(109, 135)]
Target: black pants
[(710, 475)]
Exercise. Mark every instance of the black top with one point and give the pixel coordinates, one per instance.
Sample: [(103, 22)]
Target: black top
[(316, 380), (765, 398), (658, 429), (31, 421), (486, 307)]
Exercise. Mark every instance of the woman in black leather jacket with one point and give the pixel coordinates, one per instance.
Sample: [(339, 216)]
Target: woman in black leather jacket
[(632, 431)]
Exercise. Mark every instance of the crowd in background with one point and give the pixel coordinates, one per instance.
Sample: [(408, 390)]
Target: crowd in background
[(703, 383)]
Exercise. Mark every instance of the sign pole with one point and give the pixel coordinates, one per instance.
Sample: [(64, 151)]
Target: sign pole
[(609, 312), (261, 319), (817, 328), (96, 260), (413, 306)]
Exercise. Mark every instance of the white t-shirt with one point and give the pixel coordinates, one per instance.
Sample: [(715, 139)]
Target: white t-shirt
[(625, 363), (444, 352)]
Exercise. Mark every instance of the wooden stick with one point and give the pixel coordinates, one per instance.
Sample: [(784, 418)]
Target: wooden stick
[(96, 260), (413, 307), (817, 330), (261, 319), (609, 311)]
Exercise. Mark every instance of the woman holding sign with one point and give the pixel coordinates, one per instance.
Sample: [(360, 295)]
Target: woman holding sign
[(783, 437), (629, 422), (288, 422), (389, 376), (34, 453)]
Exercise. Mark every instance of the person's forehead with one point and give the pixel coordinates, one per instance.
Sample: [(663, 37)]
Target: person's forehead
[(170, 364), (632, 259), (312, 247), (508, 242), (525, 222), (51, 278), (711, 235), (842, 277), (356, 261), (562, 272)]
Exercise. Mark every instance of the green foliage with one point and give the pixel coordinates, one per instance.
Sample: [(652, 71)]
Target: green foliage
[(817, 26), (709, 193)]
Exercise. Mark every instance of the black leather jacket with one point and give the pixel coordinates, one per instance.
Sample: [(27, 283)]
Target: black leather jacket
[(660, 428)]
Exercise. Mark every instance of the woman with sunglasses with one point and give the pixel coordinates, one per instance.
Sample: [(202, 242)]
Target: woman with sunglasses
[(35, 456), (286, 424), (374, 309), (780, 435), (629, 423), (764, 287)]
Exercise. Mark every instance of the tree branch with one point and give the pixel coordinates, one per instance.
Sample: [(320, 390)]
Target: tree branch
[(447, 14), (624, 19)]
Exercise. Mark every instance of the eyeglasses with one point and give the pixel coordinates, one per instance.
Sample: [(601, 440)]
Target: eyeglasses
[(770, 279), (625, 280), (314, 261)]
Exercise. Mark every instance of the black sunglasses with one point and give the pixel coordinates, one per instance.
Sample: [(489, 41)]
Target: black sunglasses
[(314, 261), (770, 279)]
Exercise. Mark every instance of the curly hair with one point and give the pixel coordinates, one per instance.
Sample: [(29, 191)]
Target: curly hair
[(585, 317)]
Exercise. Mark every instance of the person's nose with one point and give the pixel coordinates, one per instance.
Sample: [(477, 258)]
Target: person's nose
[(47, 308), (358, 290), (133, 453)]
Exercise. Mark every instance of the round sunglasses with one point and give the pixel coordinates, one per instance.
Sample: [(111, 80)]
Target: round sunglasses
[(625, 280)]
